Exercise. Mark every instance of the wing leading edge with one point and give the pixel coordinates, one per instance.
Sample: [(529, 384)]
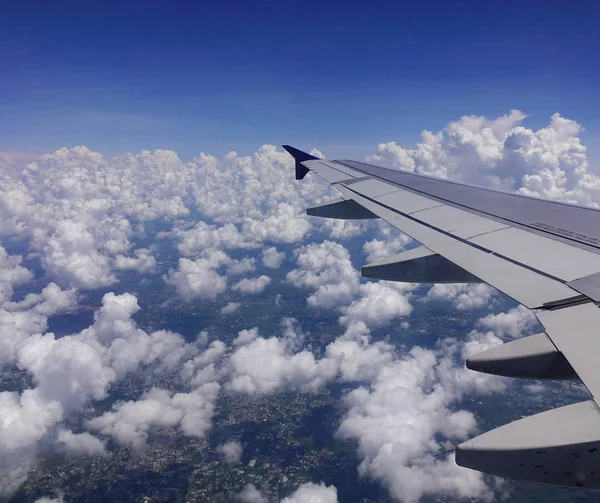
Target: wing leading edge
[(543, 254)]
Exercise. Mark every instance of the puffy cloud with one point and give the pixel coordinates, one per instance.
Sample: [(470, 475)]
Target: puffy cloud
[(514, 323), (356, 357), (52, 300), (325, 268), (47, 499), (550, 163), (143, 261), (378, 303), (464, 296), (272, 258), (11, 274), (80, 444), (342, 229), (251, 494), (230, 451), (252, 285), (72, 257), (397, 421), (245, 337), (230, 308), (313, 493), (130, 422), (236, 267), (199, 278), (202, 368), (203, 236), (69, 372), (377, 249), (79, 209), (265, 366)]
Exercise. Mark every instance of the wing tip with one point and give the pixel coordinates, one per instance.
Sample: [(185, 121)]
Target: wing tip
[(300, 156)]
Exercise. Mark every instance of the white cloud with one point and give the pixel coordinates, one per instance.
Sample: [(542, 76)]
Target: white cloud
[(130, 422), (47, 499), (246, 336), (356, 357), (251, 494), (325, 268), (230, 308), (80, 444), (71, 371), (515, 323), (203, 236), (199, 278), (143, 261), (236, 267), (72, 257), (79, 212), (313, 493), (550, 163), (464, 296), (272, 258), (11, 274), (252, 285), (265, 366), (377, 249), (230, 451), (379, 303), (397, 419)]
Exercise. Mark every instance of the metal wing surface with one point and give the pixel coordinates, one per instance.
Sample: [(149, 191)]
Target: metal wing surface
[(543, 254)]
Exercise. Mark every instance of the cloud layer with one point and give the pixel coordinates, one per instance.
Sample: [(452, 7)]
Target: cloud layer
[(83, 222)]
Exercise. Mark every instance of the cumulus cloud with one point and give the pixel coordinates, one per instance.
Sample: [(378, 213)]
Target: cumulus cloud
[(464, 296), (70, 372), (231, 452), (79, 209), (80, 213), (142, 262), (272, 258), (313, 493), (514, 323), (270, 365), (130, 422), (252, 285), (378, 303), (246, 336), (377, 249), (203, 236), (230, 308), (11, 274), (49, 499), (398, 418), (80, 444), (250, 494), (199, 278), (356, 357), (550, 163), (325, 268)]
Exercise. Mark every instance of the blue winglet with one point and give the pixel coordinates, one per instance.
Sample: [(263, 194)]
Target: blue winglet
[(300, 157)]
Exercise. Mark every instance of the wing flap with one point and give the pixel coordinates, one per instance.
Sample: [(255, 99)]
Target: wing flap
[(558, 447), (575, 332), (418, 265)]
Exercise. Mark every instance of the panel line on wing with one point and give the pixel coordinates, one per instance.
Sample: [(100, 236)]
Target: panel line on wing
[(541, 231), (465, 241)]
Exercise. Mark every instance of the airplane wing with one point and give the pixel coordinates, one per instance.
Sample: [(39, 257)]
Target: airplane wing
[(543, 254)]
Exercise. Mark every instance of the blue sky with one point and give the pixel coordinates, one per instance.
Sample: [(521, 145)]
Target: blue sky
[(339, 76)]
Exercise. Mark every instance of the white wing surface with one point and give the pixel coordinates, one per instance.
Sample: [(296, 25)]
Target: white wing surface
[(543, 254)]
